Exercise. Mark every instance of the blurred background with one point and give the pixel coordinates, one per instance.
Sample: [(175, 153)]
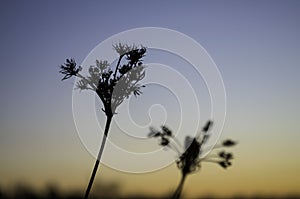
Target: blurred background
[(255, 45)]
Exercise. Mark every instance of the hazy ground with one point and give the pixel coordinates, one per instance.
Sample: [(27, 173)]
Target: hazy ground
[(110, 191)]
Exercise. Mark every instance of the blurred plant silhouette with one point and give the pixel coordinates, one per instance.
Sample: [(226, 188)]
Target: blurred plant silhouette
[(111, 86), (189, 157)]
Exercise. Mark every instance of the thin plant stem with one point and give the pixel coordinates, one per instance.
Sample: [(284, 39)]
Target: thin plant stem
[(118, 64), (177, 142), (209, 156), (107, 125), (209, 160), (180, 187), (174, 147)]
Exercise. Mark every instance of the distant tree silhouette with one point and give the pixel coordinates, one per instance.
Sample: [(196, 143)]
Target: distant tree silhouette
[(24, 191), (112, 85), (189, 160)]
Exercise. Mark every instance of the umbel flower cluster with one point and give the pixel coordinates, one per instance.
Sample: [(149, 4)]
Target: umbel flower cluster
[(189, 157), (112, 85)]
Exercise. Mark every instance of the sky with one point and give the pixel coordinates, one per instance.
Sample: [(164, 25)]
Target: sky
[(255, 45)]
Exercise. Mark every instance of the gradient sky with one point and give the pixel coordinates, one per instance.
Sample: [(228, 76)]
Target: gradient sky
[(255, 44)]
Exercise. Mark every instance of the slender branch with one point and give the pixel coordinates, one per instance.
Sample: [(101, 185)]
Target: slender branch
[(177, 142), (180, 187), (209, 160), (217, 146), (211, 156), (118, 64), (213, 147), (174, 148), (107, 125)]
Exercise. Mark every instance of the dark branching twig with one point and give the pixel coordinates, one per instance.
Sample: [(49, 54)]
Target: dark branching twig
[(111, 87), (189, 160), (69, 69)]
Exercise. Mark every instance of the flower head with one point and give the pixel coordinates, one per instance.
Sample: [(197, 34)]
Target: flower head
[(228, 143), (190, 159), (165, 135), (122, 49), (69, 69), (111, 85)]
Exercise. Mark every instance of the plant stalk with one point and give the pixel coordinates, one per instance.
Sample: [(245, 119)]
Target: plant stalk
[(180, 187), (107, 125)]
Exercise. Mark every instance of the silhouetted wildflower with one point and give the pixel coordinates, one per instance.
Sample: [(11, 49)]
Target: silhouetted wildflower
[(111, 86), (190, 159)]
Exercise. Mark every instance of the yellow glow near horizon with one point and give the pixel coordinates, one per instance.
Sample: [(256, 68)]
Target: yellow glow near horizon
[(252, 173)]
